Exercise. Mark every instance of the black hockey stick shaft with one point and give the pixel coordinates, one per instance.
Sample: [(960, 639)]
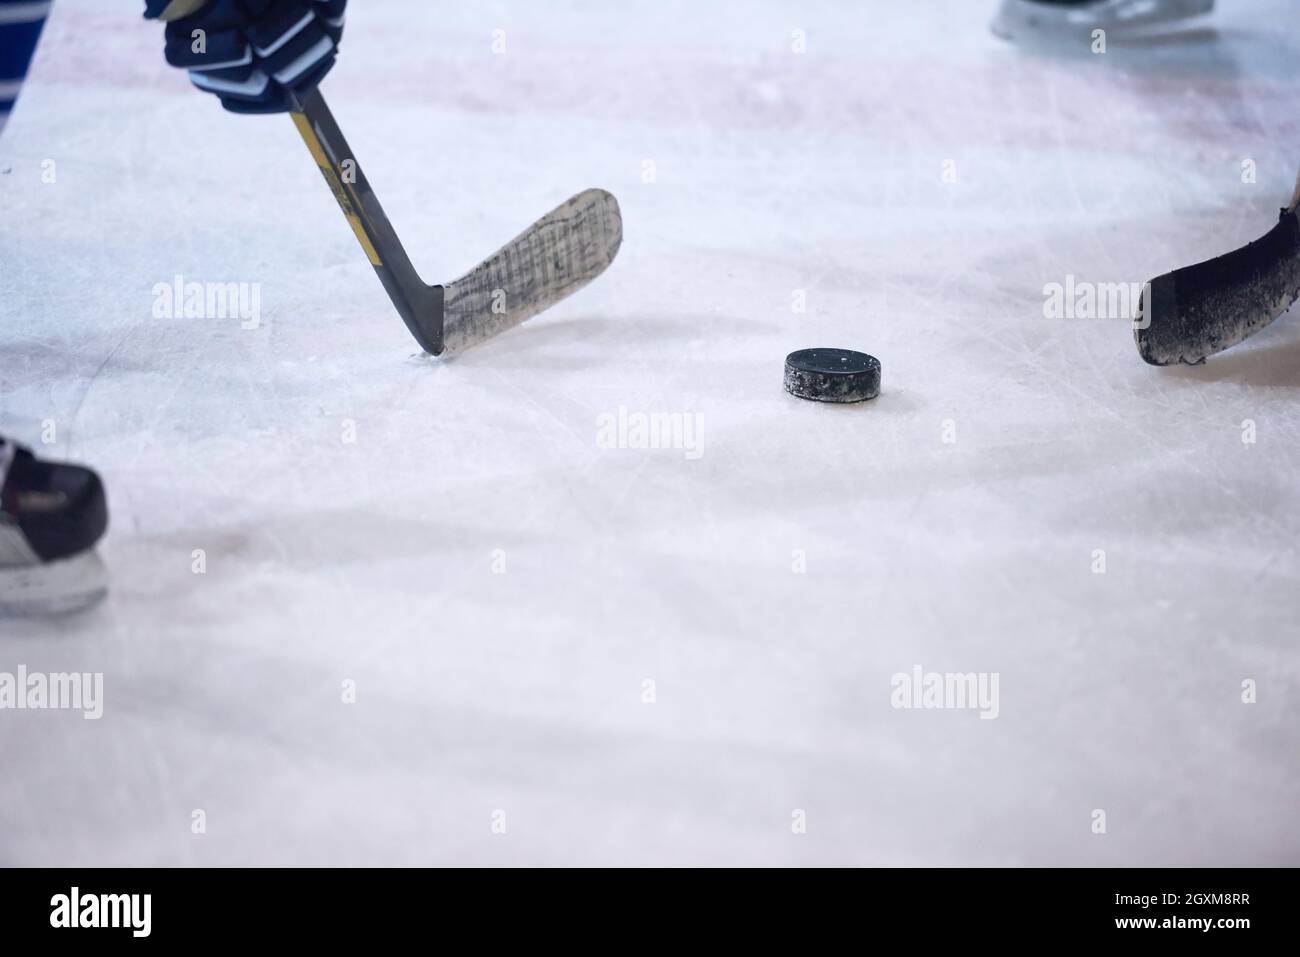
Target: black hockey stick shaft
[(419, 304)]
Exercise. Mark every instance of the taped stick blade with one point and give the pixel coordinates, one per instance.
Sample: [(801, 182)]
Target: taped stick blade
[(548, 262)]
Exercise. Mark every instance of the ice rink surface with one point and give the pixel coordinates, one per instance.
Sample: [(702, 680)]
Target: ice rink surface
[(452, 540)]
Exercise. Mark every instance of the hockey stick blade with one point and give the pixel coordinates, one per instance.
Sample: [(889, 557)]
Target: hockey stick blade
[(551, 260), (1195, 312)]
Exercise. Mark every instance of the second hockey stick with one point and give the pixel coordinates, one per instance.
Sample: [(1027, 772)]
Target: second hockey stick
[(1196, 311)]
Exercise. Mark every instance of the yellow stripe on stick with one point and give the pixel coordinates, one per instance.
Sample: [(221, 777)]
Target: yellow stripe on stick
[(336, 185)]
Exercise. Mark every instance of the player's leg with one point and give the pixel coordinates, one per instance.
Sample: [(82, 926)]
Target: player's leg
[(20, 27), (51, 515)]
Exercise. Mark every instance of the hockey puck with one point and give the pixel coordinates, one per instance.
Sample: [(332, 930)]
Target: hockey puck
[(832, 375)]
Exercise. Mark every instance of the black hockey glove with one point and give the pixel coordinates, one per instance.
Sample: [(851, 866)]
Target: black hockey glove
[(258, 56)]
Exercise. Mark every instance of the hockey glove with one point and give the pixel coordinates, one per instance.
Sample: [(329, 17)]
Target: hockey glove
[(258, 56)]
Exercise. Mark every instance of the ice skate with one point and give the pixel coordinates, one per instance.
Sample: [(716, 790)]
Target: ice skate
[(51, 516), (1049, 19)]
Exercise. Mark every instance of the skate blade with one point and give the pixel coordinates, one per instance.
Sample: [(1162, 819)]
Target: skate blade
[(1025, 20), (53, 589)]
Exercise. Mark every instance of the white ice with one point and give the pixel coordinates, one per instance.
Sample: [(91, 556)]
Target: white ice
[(747, 171)]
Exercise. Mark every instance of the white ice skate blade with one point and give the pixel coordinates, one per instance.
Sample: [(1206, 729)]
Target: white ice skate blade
[(53, 588), (1023, 19)]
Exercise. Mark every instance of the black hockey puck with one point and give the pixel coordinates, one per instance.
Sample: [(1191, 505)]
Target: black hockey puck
[(832, 375)]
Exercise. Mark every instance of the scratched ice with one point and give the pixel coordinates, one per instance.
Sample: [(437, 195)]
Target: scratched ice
[(555, 618)]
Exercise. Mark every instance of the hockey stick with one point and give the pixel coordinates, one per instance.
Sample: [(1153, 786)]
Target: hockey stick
[(551, 260), (1199, 310), (548, 262)]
